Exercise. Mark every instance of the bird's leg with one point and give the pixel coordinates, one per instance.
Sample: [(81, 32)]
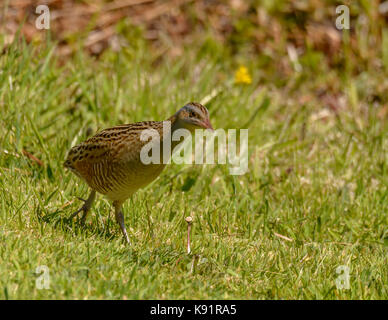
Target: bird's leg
[(120, 218), (86, 207)]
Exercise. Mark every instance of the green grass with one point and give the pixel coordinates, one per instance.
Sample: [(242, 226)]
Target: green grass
[(317, 177)]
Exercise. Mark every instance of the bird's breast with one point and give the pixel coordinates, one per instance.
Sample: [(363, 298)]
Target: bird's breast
[(127, 178)]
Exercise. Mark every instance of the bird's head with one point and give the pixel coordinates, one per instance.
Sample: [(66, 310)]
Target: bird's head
[(194, 116)]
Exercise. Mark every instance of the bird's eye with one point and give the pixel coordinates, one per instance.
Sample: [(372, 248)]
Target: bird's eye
[(192, 114)]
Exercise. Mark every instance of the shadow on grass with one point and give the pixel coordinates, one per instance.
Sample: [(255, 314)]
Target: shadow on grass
[(73, 225)]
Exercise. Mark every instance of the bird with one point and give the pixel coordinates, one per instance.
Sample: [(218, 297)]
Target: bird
[(110, 161)]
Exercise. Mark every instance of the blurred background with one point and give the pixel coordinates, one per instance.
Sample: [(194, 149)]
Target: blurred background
[(282, 37)]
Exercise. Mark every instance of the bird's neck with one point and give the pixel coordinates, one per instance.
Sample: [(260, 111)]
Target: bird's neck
[(175, 125)]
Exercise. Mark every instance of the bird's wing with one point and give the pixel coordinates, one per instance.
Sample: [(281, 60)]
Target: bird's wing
[(107, 146)]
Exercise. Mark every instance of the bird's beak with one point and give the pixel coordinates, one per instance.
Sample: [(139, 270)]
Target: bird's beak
[(207, 125)]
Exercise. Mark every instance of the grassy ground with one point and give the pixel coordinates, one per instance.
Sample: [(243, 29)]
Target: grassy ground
[(314, 199)]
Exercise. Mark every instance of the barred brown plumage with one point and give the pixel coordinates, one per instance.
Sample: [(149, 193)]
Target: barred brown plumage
[(110, 161)]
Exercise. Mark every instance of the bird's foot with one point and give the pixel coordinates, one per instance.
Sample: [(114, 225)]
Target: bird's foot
[(127, 239), (85, 209)]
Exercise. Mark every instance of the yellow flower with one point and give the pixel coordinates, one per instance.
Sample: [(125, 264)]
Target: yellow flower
[(242, 76)]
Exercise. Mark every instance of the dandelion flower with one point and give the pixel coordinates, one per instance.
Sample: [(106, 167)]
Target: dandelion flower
[(242, 76)]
